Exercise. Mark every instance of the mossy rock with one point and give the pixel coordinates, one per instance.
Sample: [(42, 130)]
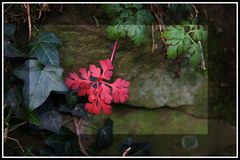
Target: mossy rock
[(152, 82)]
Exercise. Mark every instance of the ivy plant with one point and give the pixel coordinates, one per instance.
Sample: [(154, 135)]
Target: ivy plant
[(41, 74), (129, 20)]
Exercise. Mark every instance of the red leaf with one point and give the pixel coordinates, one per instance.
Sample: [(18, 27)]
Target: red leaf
[(83, 88), (92, 108), (84, 74), (107, 109), (96, 72), (106, 94), (73, 81), (120, 90), (106, 67)]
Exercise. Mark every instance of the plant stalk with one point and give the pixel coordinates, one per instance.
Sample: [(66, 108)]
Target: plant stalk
[(114, 49)]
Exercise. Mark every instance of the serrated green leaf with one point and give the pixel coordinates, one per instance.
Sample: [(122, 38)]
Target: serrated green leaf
[(136, 33), (186, 43), (200, 34), (39, 81), (195, 52), (112, 9), (144, 17), (172, 52)]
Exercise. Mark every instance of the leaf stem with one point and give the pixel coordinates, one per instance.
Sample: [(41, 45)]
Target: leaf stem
[(114, 49), (191, 39)]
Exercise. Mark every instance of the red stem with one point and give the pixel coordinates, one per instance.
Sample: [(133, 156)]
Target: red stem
[(114, 49)]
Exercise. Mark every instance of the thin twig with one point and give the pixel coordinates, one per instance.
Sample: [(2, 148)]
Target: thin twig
[(196, 11), (16, 142), (8, 8), (114, 49), (29, 22), (17, 126), (78, 127), (153, 39), (70, 120), (126, 151), (203, 65), (96, 21)]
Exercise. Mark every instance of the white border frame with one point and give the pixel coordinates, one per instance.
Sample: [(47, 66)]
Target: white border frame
[(236, 3)]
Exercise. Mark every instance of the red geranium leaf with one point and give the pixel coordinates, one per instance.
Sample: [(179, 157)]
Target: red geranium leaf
[(73, 81), (92, 108), (96, 72), (120, 90), (107, 109), (83, 88), (106, 67), (106, 94), (84, 73)]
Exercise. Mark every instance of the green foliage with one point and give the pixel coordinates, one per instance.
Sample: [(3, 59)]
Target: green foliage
[(39, 81), (78, 110), (52, 121), (179, 8), (185, 40), (129, 21), (9, 47), (44, 48), (62, 144), (105, 135)]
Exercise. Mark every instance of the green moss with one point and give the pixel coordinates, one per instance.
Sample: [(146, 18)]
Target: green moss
[(158, 121)]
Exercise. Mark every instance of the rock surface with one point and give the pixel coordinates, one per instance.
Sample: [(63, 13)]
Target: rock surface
[(152, 78)]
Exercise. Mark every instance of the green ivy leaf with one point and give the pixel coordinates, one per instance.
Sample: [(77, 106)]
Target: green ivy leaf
[(9, 35), (9, 31), (12, 98), (44, 48), (105, 134), (61, 144), (51, 121), (11, 51), (39, 81), (79, 111)]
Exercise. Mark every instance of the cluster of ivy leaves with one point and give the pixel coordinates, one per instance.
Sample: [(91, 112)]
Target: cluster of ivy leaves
[(31, 102), (186, 40), (129, 20), (40, 73)]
